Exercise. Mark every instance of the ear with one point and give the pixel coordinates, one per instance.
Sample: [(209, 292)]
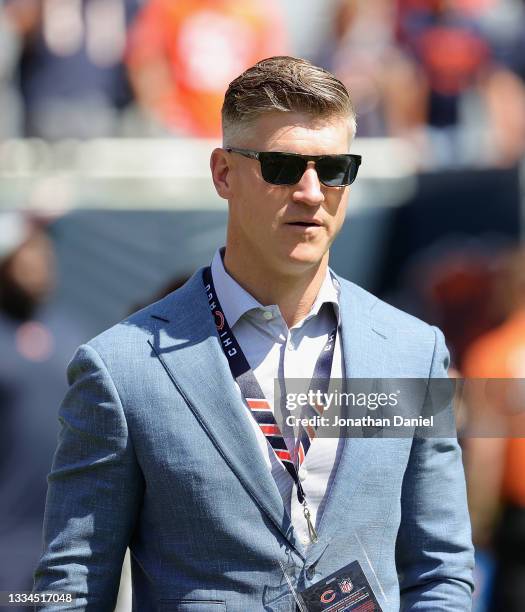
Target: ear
[(220, 172)]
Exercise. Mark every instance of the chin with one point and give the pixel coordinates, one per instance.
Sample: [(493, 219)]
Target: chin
[(304, 256)]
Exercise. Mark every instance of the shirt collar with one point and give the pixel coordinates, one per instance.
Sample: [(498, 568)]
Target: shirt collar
[(236, 301), (328, 294)]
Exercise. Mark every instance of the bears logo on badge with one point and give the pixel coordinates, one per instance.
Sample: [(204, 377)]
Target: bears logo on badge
[(328, 596)]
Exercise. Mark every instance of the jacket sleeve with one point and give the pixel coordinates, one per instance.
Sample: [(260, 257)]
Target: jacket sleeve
[(434, 550), (94, 491)]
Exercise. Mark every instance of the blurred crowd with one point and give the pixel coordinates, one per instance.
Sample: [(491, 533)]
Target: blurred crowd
[(476, 295), (89, 68), (447, 75), (36, 342)]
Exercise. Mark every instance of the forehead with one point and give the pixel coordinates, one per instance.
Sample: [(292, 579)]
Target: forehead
[(299, 133)]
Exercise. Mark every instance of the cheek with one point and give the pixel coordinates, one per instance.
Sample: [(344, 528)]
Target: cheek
[(260, 206), (337, 208), (250, 215)]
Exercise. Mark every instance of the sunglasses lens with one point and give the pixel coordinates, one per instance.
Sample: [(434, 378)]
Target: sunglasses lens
[(286, 169), (336, 170), (281, 168)]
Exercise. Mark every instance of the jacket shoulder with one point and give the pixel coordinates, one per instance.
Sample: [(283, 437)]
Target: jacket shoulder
[(138, 327), (383, 313)]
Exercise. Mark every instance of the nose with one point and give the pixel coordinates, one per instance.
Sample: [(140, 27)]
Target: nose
[(308, 189)]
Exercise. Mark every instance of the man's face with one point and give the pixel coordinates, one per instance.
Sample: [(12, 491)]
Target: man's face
[(267, 222)]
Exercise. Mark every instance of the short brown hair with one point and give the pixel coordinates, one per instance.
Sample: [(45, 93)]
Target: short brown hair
[(285, 84)]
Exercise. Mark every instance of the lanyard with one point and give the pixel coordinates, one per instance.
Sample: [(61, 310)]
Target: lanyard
[(259, 405)]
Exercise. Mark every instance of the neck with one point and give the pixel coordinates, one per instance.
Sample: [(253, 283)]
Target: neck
[(293, 293)]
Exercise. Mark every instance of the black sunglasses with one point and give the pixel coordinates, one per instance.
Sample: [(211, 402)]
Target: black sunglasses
[(288, 168)]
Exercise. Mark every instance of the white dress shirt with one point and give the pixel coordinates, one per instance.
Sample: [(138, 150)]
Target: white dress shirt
[(276, 352)]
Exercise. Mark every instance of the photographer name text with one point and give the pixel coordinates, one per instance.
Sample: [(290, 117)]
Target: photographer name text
[(365, 421)]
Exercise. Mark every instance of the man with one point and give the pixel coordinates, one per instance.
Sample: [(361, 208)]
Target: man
[(158, 448)]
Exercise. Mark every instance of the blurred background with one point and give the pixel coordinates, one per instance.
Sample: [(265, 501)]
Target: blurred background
[(109, 110)]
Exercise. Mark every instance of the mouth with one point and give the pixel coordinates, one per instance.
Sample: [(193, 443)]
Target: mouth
[(312, 223)]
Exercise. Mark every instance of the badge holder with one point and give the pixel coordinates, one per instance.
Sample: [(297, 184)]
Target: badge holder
[(353, 587), (345, 590)]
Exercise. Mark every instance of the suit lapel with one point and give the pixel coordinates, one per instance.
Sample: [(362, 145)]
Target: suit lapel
[(362, 342), (187, 345)]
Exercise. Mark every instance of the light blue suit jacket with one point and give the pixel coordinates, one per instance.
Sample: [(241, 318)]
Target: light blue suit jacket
[(157, 453)]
